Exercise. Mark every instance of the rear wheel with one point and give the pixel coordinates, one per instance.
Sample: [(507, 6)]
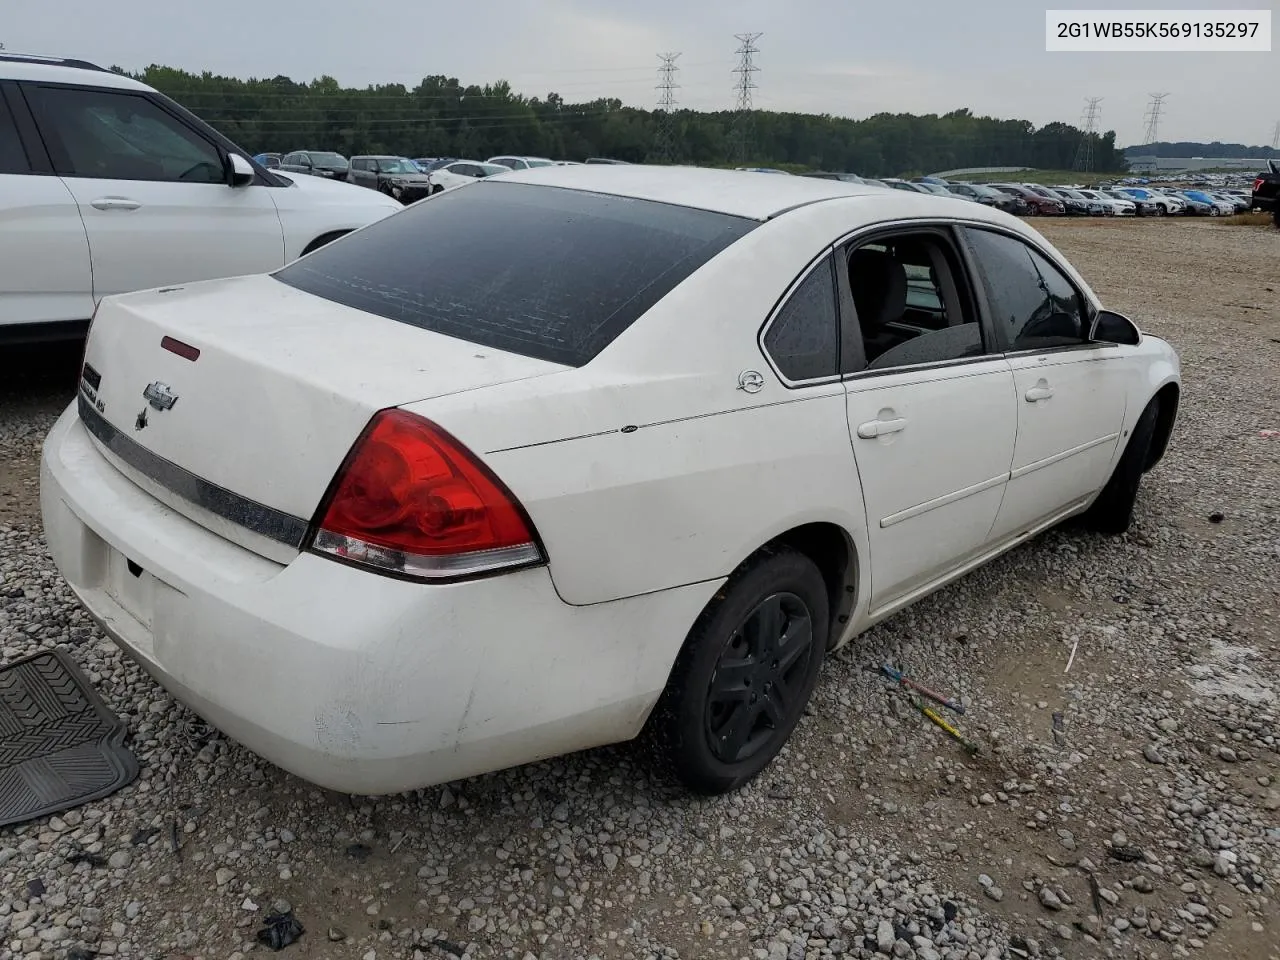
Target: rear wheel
[(1159, 211), (1112, 512), (324, 238), (745, 674)]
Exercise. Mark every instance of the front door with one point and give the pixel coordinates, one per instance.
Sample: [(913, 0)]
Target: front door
[(1070, 393), (931, 412), (152, 192)]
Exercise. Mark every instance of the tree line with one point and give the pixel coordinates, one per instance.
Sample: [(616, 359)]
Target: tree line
[(443, 117), (1193, 148)]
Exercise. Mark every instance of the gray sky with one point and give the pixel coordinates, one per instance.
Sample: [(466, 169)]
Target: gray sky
[(844, 57)]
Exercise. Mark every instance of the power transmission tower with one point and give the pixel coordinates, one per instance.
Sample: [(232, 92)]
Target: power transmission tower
[(1084, 153), (743, 132), (665, 141), (1153, 118)]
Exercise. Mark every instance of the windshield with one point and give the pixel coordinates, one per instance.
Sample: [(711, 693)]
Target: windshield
[(328, 159), (539, 163), (397, 165), (491, 168)]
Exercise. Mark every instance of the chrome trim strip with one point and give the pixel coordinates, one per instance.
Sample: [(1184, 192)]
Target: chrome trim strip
[(943, 501), (1059, 457), (259, 518)]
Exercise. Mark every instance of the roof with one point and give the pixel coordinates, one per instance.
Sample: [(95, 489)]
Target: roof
[(37, 69), (757, 196)]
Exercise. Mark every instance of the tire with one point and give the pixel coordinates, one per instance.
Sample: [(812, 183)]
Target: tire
[(1215, 212), (1112, 512), (694, 726), (1160, 210), (324, 238)]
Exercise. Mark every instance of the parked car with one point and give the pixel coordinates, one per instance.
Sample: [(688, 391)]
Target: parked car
[(897, 183), (1037, 204), (316, 163), (1071, 205), (845, 177), (397, 177), (108, 186), (1237, 203), (463, 171), (427, 164), (493, 517), (1266, 191), (1092, 206), (268, 160), (1153, 204), (521, 163), (1111, 206), (990, 197), (1200, 204)]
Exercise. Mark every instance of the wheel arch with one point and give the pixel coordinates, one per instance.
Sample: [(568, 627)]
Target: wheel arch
[(323, 239), (1168, 397)]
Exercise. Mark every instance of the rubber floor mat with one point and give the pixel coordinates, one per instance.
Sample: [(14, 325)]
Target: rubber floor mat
[(59, 744)]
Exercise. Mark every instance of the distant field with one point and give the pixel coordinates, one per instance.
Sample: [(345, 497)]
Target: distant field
[(1043, 176)]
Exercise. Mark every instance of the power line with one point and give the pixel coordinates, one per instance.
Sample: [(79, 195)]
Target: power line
[(743, 132), (665, 142), (1153, 118), (1089, 123)]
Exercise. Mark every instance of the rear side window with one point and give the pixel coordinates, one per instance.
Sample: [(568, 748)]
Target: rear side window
[(541, 271), (804, 338), (13, 159)]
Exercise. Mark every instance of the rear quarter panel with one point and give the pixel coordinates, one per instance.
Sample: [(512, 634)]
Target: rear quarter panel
[(649, 468)]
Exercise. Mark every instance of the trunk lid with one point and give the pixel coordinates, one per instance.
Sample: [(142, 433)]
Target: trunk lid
[(246, 438)]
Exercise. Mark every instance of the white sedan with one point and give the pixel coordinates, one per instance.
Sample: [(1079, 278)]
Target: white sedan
[(532, 466), (462, 172)]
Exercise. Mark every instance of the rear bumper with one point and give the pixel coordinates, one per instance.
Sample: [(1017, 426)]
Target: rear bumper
[(355, 682)]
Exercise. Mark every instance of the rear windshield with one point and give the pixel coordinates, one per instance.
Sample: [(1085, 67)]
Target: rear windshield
[(541, 271)]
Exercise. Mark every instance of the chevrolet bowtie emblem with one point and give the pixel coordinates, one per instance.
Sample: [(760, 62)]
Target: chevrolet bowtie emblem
[(160, 396)]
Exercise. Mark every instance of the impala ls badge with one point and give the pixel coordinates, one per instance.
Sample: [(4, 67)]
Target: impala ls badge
[(160, 396)]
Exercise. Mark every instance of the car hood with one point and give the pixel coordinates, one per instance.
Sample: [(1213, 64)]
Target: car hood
[(332, 191)]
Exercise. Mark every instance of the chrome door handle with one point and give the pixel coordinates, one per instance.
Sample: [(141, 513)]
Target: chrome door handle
[(114, 203), (878, 428), (1039, 392)]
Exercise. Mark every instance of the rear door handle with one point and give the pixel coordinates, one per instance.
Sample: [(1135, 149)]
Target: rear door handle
[(1041, 391), (114, 203), (878, 428)]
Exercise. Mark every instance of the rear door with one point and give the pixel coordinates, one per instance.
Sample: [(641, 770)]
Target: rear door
[(152, 191), (44, 256), (1070, 393), (929, 399), (364, 171)]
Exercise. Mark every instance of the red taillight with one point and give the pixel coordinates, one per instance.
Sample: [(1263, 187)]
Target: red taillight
[(1257, 184), (413, 501)]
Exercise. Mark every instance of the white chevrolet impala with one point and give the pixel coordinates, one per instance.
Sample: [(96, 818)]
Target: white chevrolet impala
[(582, 452)]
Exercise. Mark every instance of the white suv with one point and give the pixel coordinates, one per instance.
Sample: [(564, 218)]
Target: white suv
[(107, 186)]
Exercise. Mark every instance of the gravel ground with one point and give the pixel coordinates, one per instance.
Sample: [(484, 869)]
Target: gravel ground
[(1125, 808)]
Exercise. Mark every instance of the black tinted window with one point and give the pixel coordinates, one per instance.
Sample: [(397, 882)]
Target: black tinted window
[(124, 136), (1034, 304), (13, 159), (803, 339), (541, 271)]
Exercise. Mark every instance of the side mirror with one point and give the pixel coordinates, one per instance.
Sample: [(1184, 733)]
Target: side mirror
[(1111, 327), (241, 174)]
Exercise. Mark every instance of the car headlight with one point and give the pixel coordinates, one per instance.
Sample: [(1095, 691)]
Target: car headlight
[(397, 181)]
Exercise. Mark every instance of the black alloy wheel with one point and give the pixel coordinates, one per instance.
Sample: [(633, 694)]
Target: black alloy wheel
[(761, 667), (743, 677)]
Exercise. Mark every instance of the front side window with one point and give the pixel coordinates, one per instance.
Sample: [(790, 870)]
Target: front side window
[(1034, 304), (123, 136), (804, 338), (540, 271), (910, 296)]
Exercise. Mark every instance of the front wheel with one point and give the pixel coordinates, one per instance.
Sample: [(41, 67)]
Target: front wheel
[(1159, 210), (745, 674), (1112, 512)]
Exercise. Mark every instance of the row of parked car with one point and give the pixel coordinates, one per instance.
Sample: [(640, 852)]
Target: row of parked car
[(403, 178), (1034, 199)]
